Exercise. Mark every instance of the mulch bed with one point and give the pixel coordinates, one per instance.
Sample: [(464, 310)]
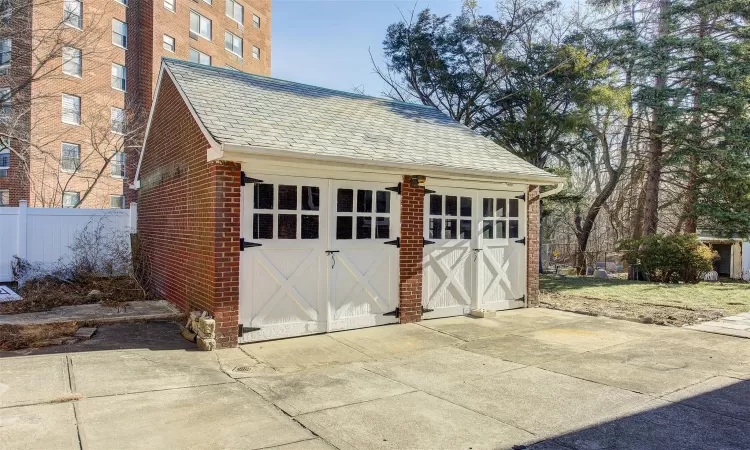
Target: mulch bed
[(46, 293), (15, 337)]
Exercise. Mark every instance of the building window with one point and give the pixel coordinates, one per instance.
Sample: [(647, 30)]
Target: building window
[(118, 120), (200, 25), (169, 4), (168, 43), (235, 10), (5, 104), (5, 54), (116, 201), (199, 57), (256, 52), (4, 162), (71, 109), (119, 33), (256, 21), (123, 2), (73, 13), (118, 77), (71, 157), (233, 43), (71, 199), (71, 61), (117, 165), (6, 11), (4, 197), (208, 1)]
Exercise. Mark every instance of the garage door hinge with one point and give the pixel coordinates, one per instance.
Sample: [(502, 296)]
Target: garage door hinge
[(243, 329), (426, 242), (396, 189), (396, 242), (244, 244), (393, 313), (244, 179), (521, 197), (522, 299), (426, 310), (428, 191), (521, 241)]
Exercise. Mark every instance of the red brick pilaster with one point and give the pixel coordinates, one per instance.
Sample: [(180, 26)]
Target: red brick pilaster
[(410, 254), (225, 179), (532, 245)]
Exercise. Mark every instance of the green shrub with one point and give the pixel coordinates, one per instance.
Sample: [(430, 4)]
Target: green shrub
[(670, 258)]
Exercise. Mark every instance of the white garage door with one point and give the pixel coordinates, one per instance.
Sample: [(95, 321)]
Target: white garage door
[(475, 255), (316, 257)]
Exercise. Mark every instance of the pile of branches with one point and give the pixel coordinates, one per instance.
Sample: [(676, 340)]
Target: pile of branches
[(101, 268)]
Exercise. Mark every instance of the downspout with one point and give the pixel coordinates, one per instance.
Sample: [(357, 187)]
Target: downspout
[(542, 195)]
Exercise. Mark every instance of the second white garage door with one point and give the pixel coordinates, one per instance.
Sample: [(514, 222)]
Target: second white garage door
[(475, 257), (317, 257)]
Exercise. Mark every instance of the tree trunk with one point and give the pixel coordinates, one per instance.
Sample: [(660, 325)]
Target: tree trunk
[(656, 133), (691, 194), (691, 197)]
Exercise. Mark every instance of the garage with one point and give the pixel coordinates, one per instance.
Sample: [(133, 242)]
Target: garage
[(319, 258), (283, 209), (476, 252)]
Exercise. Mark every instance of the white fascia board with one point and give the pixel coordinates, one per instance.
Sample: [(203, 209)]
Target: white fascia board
[(240, 153), (215, 146)]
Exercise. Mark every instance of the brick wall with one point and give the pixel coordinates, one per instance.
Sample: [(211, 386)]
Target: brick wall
[(48, 132), (532, 245), (225, 178), (411, 252), (188, 217), (150, 21)]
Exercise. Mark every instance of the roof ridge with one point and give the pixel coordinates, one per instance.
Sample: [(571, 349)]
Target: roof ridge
[(166, 59)]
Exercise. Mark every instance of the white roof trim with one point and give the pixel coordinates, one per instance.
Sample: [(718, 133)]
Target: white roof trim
[(215, 146), (230, 151)]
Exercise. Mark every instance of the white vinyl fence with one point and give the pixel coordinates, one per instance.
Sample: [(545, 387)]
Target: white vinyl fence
[(44, 235)]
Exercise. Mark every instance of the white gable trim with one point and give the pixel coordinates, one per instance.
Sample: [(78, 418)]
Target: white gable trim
[(215, 146)]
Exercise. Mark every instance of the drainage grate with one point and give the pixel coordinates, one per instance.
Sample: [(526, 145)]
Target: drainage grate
[(243, 369)]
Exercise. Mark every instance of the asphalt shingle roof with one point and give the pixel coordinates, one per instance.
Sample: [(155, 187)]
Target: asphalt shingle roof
[(251, 110)]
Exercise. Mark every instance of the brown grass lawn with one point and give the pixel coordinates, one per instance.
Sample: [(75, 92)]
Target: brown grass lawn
[(669, 304)]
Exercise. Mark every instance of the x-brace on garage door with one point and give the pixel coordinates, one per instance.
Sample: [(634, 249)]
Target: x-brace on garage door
[(316, 256), (476, 253)]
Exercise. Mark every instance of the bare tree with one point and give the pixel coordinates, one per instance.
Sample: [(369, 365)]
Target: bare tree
[(55, 47)]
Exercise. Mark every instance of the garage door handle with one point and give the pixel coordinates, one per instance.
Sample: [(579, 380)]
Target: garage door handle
[(396, 242), (244, 244)]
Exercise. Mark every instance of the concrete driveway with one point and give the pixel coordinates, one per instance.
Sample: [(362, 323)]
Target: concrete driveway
[(537, 378)]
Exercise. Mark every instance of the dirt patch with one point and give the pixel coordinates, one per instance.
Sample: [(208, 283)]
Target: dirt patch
[(49, 292), (14, 337), (638, 312)]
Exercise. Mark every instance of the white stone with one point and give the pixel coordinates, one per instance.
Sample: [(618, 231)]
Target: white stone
[(600, 273), (206, 344), (206, 327), (483, 313)]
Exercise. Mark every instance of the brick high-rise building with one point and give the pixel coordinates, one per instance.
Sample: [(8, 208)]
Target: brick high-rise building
[(77, 79)]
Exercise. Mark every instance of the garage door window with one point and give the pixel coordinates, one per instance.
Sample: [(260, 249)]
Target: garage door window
[(500, 218), (449, 217), (292, 210), (363, 214)]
